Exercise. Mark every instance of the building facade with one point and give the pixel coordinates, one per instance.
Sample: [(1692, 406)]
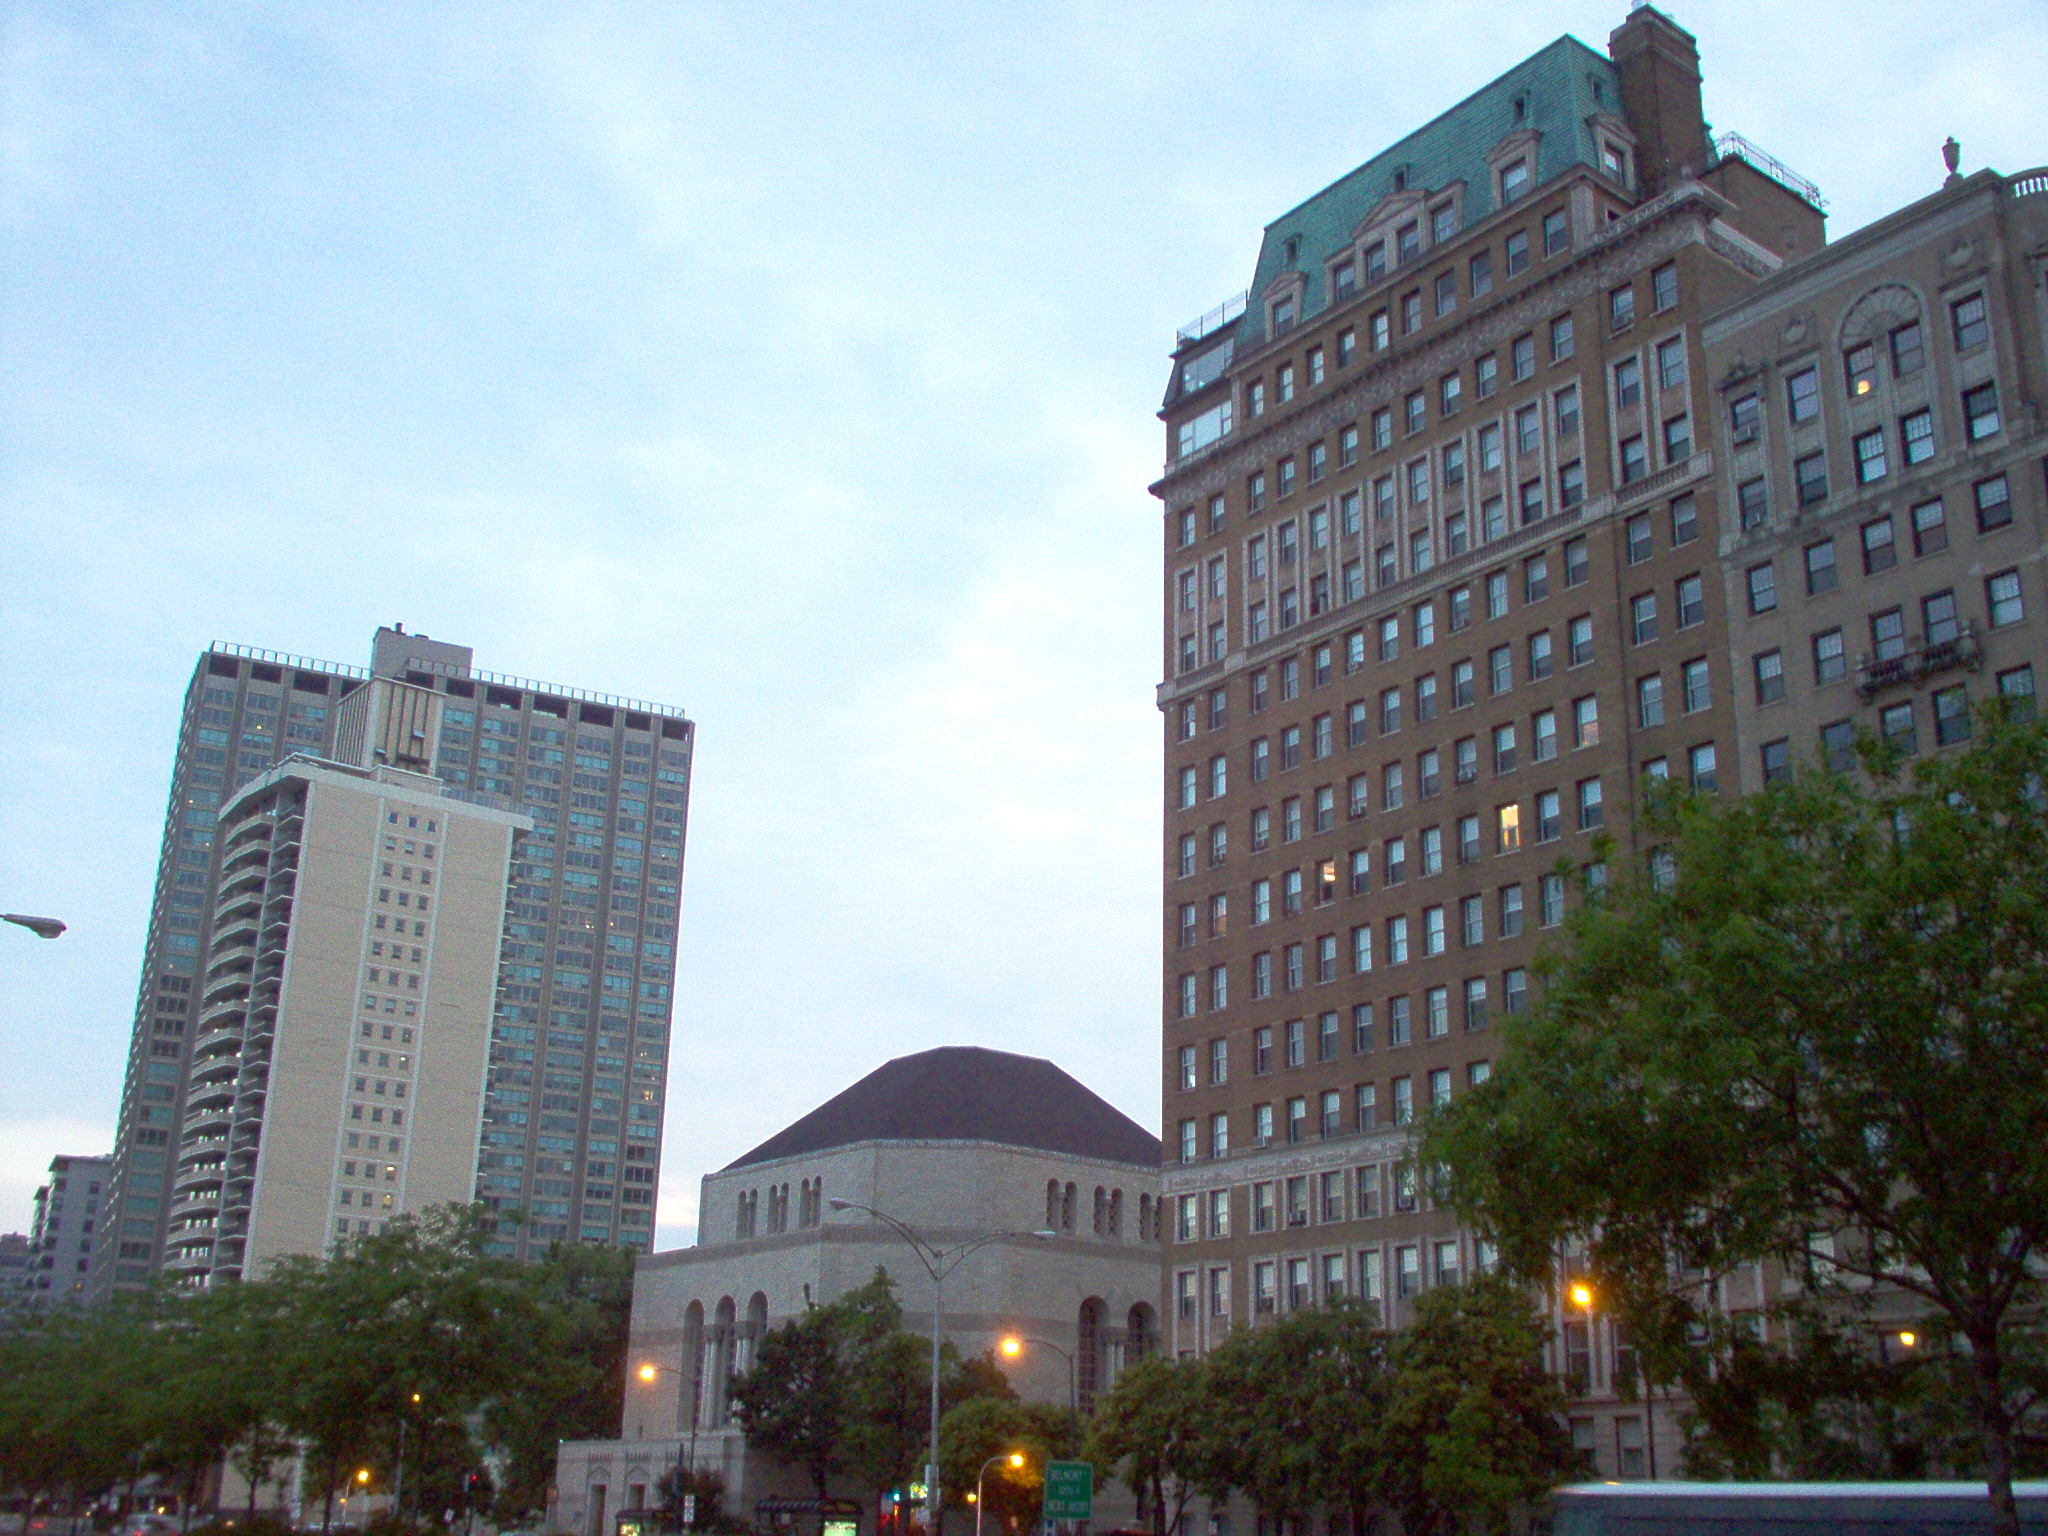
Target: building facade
[(1879, 434), (574, 1105), (61, 1235), (958, 1144), (344, 1009), (1442, 595)]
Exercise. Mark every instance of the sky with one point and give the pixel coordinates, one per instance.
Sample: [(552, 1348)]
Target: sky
[(794, 364)]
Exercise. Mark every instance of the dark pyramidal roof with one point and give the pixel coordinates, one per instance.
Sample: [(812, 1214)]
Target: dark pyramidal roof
[(967, 1093)]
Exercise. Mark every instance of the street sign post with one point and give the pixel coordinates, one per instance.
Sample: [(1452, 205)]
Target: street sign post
[(1069, 1490)]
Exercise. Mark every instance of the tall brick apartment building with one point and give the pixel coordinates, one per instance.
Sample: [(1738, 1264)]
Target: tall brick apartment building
[(1417, 487)]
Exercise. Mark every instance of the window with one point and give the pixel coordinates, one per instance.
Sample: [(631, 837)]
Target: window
[(1994, 504), (1930, 528), (1776, 760), (1486, 376), (1628, 382), (1497, 595), (1763, 588), (1586, 722), (1880, 553), (1579, 640), (1560, 338), (1980, 412), (2002, 599), (1909, 353), (1916, 437), (1571, 485), (1938, 618), (1523, 356), (1642, 615), (1638, 538), (1591, 813), (1507, 828), (1566, 402), (1446, 292), (2016, 689), (1550, 892), (1479, 273), (1859, 370), (1635, 459), (1770, 677), (1543, 731), (1698, 686), (1701, 762), (1557, 232), (1539, 656), (1971, 321), (1664, 286), (1870, 460), (1888, 634), (1549, 824), (1517, 247), (1500, 669), (1810, 472), (1514, 181), (1692, 603), (1463, 690), (1896, 725), (1742, 419), (1671, 363), (1650, 699), (1685, 523), (1535, 579), (1621, 308), (1411, 311), (1951, 716), (1677, 439), (1187, 526), (1821, 575), (1802, 395)]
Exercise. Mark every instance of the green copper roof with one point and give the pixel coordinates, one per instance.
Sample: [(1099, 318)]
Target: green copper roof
[(1562, 87)]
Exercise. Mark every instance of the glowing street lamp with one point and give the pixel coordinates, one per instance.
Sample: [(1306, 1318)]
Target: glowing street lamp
[(1014, 1458), (1012, 1347)]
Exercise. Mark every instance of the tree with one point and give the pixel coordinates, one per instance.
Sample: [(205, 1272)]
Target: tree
[(992, 1427), (1472, 1421), (1154, 1426), (1300, 1404), (1813, 1028), (792, 1402)]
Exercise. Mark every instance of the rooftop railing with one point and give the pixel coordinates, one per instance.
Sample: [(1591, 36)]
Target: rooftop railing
[(1214, 320), (1733, 146)]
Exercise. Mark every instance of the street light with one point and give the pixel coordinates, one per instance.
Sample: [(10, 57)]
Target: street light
[(1013, 1346), (938, 1263), (1582, 1296), (1014, 1458), (41, 927)]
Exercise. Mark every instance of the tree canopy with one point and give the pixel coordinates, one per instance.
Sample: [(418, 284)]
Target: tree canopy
[(1810, 1030)]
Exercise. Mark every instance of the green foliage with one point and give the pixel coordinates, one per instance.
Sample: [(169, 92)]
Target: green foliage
[(994, 1426), (1472, 1421), (327, 1354), (1821, 1040), (843, 1392), (1157, 1429)]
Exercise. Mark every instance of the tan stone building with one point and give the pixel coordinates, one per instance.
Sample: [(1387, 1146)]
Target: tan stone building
[(1879, 437), (959, 1144), (1442, 589), (343, 1010)]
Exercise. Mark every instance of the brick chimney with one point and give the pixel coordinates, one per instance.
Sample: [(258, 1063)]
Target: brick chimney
[(1658, 63)]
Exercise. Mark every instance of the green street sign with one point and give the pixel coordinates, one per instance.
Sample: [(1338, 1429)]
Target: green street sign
[(1069, 1490)]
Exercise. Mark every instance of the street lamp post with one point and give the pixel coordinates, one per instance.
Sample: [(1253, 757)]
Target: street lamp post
[(1014, 1458), (398, 1483), (648, 1373), (41, 927), (938, 1263), (1013, 1346)]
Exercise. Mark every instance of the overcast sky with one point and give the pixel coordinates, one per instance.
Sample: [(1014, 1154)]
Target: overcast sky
[(794, 364)]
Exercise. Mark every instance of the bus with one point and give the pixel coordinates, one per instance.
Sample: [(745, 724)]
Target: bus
[(1787, 1509)]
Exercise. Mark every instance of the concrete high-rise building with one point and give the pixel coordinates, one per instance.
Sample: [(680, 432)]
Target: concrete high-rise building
[(60, 1235), (1442, 595), (1880, 439), (573, 1103), (343, 1011)]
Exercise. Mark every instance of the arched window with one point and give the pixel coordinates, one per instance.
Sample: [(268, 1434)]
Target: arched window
[(1101, 1217), (1140, 1334), (724, 1331), (1116, 1213), (1145, 1216), (691, 1404), (1052, 1205), (1067, 1209), (1088, 1354)]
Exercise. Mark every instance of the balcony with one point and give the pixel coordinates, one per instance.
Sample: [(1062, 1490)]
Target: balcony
[(1920, 662)]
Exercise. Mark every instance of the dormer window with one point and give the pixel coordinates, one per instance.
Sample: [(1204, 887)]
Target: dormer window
[(1283, 316), (1408, 242), (1376, 261), (1344, 279), (1401, 179), (1521, 110), (1293, 249), (1614, 160), (1443, 223), (1514, 181)]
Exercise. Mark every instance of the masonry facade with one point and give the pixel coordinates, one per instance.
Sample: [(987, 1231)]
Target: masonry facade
[(1880, 439), (1442, 527)]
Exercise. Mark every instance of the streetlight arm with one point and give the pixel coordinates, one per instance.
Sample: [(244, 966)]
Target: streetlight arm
[(41, 927)]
